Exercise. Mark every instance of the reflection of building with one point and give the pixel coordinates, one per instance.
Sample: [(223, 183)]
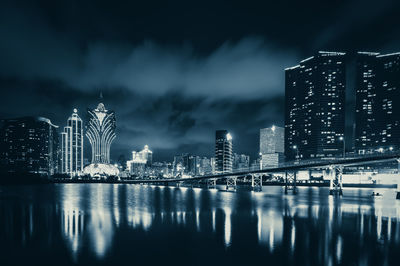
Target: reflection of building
[(29, 145), (100, 130), (223, 151), (377, 102), (72, 145), (241, 162), (271, 146), (315, 102)]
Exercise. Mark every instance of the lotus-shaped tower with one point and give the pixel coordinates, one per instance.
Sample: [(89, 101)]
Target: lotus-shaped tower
[(100, 130)]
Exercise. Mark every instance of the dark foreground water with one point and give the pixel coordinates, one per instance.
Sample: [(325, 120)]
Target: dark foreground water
[(111, 224)]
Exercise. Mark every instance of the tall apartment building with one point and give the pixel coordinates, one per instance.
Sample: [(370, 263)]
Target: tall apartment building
[(315, 107)]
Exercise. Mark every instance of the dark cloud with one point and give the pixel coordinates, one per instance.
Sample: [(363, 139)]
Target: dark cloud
[(174, 72)]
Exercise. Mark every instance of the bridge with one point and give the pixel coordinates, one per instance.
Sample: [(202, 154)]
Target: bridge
[(332, 170)]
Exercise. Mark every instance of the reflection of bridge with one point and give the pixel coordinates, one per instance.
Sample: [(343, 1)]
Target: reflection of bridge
[(332, 170)]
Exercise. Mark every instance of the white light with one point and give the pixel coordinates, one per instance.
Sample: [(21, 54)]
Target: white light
[(273, 128), (341, 138), (295, 147), (228, 136), (390, 148)]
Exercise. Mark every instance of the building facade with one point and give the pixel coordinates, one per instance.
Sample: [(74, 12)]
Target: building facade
[(29, 145), (72, 146), (315, 107), (140, 161), (100, 130), (272, 147), (377, 119), (223, 152), (241, 162)]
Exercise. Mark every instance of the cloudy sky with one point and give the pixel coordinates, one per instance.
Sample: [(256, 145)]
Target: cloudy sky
[(175, 71)]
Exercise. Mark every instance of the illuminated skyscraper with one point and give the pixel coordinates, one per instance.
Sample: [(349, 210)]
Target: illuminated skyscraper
[(271, 146), (377, 102), (100, 130), (28, 145), (223, 152), (140, 160), (315, 107), (72, 145)]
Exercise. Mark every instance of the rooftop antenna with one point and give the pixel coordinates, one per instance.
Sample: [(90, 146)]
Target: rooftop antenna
[(101, 95)]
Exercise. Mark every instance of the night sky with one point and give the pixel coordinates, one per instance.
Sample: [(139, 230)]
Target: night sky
[(174, 72)]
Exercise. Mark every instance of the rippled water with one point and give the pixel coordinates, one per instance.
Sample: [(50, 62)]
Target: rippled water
[(147, 225)]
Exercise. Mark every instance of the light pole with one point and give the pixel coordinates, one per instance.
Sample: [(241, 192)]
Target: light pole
[(344, 146), (297, 151)]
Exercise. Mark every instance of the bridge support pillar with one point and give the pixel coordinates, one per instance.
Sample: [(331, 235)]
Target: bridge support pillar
[(256, 182), (290, 182), (212, 183), (336, 182), (231, 183)]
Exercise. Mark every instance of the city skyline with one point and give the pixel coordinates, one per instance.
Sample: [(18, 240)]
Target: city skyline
[(170, 85)]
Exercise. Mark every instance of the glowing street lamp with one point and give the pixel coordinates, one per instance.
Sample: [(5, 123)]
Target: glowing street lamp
[(341, 138), (297, 151)]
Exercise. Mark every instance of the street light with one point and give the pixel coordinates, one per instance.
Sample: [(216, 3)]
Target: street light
[(344, 145)]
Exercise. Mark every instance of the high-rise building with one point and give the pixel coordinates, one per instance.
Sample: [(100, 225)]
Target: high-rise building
[(29, 145), (186, 164), (223, 152), (271, 146), (100, 130), (377, 123), (315, 107), (241, 162), (205, 166), (140, 160), (72, 145)]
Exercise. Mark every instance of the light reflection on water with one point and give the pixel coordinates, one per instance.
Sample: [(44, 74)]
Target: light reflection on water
[(89, 223)]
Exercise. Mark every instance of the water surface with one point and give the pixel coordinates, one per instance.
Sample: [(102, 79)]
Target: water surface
[(120, 224)]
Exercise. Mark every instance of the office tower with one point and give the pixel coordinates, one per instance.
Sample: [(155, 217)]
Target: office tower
[(223, 151), (241, 162), (377, 125), (72, 145), (389, 101), (29, 145), (366, 135), (205, 166), (315, 107), (100, 130), (148, 155), (271, 146), (186, 164)]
